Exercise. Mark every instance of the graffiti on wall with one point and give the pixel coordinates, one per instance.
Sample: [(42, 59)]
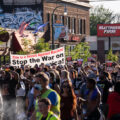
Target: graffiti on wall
[(14, 20)]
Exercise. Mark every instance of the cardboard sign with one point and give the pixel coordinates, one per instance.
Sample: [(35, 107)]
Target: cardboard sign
[(56, 56), (109, 64), (69, 58)]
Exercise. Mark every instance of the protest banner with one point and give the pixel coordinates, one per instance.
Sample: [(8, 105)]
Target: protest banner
[(56, 56)]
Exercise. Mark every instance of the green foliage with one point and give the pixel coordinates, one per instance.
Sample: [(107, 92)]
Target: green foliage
[(67, 51), (112, 57), (41, 46), (7, 59), (81, 51), (100, 15), (3, 32), (26, 43), (22, 52)]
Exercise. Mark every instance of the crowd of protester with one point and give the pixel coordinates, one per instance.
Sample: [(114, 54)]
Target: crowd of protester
[(60, 92)]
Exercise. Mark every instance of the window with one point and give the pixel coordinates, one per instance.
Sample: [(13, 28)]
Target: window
[(67, 21), (80, 26), (73, 25), (62, 19), (54, 18), (84, 26)]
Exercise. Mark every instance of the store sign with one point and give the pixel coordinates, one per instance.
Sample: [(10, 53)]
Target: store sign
[(107, 30), (74, 38)]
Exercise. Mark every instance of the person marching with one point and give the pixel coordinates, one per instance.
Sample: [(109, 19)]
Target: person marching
[(44, 112)]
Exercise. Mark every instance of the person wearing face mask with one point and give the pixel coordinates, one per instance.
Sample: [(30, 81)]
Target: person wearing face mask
[(44, 91)]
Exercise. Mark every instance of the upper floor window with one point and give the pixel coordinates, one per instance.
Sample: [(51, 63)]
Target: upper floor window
[(73, 25), (80, 26)]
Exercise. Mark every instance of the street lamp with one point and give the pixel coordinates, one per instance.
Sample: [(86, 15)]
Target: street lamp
[(65, 13)]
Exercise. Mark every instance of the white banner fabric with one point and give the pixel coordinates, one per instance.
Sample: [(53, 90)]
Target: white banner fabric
[(56, 56)]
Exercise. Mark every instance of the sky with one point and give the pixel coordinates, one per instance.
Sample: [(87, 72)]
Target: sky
[(112, 5)]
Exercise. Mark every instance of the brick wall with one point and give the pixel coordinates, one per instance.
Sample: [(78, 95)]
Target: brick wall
[(74, 11)]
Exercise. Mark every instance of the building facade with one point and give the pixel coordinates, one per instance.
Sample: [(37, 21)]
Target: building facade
[(14, 12), (76, 20)]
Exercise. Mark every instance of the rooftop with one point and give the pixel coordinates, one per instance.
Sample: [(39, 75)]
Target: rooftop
[(85, 4)]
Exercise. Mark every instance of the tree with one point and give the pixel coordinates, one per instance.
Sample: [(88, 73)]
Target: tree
[(111, 56), (81, 51), (4, 35), (67, 51), (41, 46), (22, 52), (100, 15), (117, 18)]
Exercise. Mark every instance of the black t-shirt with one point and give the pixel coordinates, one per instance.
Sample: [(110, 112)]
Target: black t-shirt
[(12, 87), (104, 85)]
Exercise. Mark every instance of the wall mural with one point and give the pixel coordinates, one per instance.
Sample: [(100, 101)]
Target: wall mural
[(14, 20)]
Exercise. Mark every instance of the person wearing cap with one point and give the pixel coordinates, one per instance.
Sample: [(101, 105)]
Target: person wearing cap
[(44, 91), (44, 112)]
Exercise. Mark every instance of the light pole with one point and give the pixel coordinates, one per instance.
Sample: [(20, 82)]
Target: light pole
[(65, 13)]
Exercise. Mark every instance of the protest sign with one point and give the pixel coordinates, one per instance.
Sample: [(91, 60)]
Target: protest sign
[(56, 56), (109, 67), (80, 61), (69, 58)]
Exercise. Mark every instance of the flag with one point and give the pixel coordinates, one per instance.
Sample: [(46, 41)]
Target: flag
[(40, 27), (57, 30), (33, 23), (23, 26)]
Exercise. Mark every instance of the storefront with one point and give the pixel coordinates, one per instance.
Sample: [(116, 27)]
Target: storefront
[(108, 37)]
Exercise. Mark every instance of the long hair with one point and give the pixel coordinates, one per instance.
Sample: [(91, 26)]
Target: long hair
[(70, 93)]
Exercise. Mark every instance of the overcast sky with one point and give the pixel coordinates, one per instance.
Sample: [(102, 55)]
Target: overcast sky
[(112, 5)]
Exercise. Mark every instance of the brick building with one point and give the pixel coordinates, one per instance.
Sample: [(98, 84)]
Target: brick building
[(77, 18)]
